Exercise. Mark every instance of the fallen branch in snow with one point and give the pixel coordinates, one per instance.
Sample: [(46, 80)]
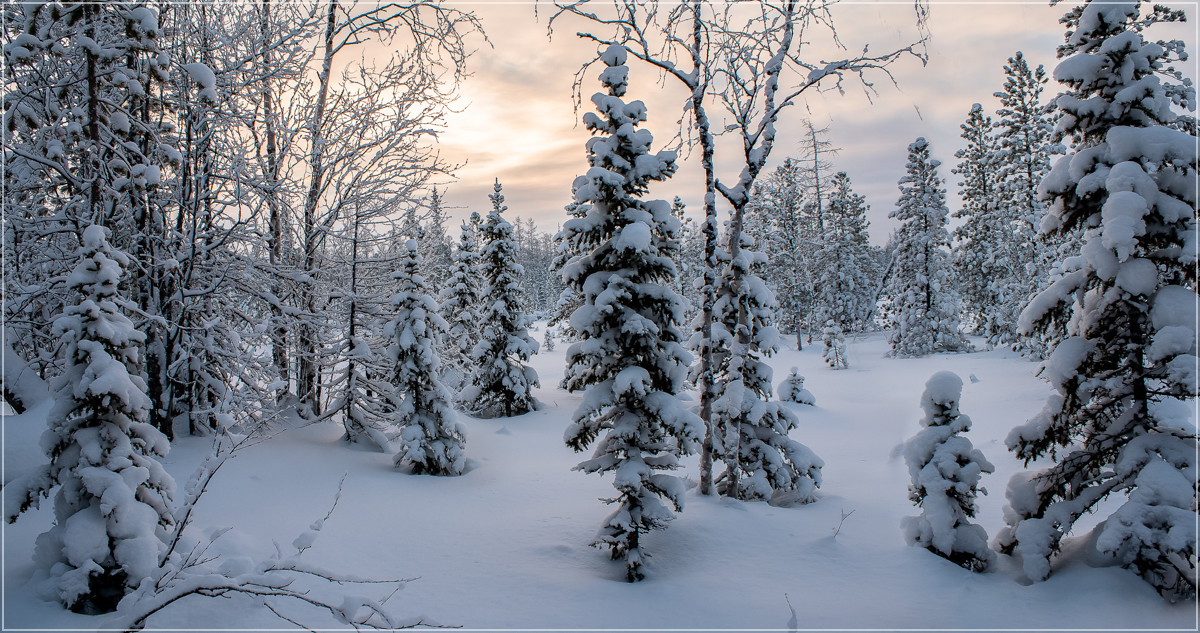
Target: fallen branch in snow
[(845, 515), (199, 573)]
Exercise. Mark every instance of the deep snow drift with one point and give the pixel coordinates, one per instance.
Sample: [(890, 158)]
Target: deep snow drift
[(505, 545)]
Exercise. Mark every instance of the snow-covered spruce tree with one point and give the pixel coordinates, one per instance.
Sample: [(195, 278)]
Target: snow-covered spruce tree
[(501, 383), (461, 303), (629, 360), (925, 302), (112, 506), (1024, 142), (847, 280), (750, 432), (435, 246), (983, 254), (780, 197), (568, 299), (1126, 370), (431, 439), (945, 470)]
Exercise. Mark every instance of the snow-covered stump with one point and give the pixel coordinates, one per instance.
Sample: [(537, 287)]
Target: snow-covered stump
[(112, 506), (791, 389), (628, 359), (945, 470), (431, 439)]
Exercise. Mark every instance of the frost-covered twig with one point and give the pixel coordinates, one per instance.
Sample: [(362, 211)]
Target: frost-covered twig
[(200, 574), (840, 522)]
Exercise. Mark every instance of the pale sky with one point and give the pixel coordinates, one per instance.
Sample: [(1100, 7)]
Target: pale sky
[(519, 124)]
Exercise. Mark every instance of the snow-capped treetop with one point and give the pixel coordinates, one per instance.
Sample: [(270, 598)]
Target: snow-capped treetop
[(942, 393)]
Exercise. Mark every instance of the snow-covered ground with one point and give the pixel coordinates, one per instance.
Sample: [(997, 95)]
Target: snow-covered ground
[(505, 545)]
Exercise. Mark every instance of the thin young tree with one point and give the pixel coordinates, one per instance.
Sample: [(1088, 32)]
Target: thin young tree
[(629, 360), (1110, 428)]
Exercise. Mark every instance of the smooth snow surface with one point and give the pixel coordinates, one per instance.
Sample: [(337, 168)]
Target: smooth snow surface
[(505, 544)]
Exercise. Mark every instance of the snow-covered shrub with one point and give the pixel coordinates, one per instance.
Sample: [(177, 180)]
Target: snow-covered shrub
[(112, 505), (501, 382), (792, 389), (431, 439), (1130, 352), (628, 360), (945, 470)]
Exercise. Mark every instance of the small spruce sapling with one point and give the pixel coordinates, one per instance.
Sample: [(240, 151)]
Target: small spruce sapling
[(792, 389), (945, 470), (835, 346)]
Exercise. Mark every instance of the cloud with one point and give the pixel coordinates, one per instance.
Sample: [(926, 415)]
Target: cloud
[(521, 126)]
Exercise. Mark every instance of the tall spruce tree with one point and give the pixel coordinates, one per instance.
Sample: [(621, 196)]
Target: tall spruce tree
[(435, 247), (501, 382), (781, 198), (983, 250), (431, 439), (113, 501), (923, 295), (1129, 362), (629, 360), (1024, 143), (849, 275)]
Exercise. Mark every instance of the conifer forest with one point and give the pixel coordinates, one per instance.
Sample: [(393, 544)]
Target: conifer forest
[(761, 314)]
